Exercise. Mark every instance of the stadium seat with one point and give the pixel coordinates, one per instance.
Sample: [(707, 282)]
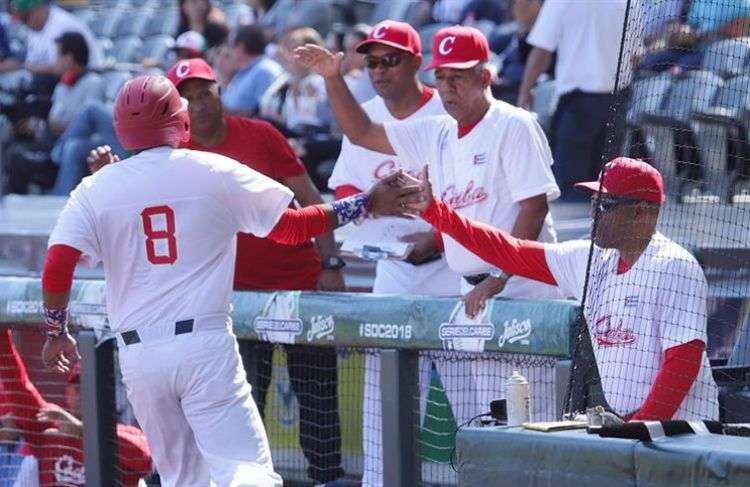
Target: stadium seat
[(646, 95), (671, 127), (733, 380), (127, 50), (722, 135), (728, 57), (132, 25), (109, 23), (107, 47), (158, 47), (239, 14), (402, 10), (166, 22), (113, 81)]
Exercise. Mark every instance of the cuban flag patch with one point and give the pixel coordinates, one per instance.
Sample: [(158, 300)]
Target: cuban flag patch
[(631, 301), (480, 158)]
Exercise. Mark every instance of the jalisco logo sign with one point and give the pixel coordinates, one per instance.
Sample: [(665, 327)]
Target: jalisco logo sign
[(515, 331), (321, 327)]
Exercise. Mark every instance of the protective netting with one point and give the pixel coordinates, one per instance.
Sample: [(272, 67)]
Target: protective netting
[(457, 386), (310, 437), (311, 401), (41, 428), (653, 300)]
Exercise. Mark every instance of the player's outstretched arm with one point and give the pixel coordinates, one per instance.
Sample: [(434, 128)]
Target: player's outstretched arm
[(353, 121), (57, 280), (518, 257), (386, 198)]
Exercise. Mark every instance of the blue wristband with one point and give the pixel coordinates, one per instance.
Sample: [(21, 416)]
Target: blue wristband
[(351, 208), (55, 322)]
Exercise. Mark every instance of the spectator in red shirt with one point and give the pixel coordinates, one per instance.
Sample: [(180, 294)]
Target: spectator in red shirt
[(264, 264), (55, 434)]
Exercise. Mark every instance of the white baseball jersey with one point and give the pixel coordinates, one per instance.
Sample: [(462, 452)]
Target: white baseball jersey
[(484, 175), (164, 222), (634, 317), (363, 168)]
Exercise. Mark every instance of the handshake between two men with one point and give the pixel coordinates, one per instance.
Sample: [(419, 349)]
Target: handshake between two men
[(401, 195)]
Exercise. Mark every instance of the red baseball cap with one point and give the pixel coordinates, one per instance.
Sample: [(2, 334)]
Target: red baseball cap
[(195, 68), (629, 178), (458, 47), (395, 34)]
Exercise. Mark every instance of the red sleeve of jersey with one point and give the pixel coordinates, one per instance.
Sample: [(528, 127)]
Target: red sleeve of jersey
[(673, 382), (519, 257), (59, 265), (133, 452), (24, 400), (284, 162), (297, 226), (345, 191)]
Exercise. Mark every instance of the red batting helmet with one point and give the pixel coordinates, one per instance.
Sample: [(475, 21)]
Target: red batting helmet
[(149, 112)]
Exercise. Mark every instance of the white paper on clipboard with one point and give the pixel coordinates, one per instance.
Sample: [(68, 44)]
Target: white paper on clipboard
[(379, 238)]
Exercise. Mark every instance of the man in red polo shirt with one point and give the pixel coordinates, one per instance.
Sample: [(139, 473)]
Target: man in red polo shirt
[(264, 264)]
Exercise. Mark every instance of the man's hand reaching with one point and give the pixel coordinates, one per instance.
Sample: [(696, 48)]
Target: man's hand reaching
[(391, 196), (417, 201), (319, 59), (100, 157)]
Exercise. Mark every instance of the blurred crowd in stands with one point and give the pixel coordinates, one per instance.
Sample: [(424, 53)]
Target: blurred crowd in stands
[(63, 63)]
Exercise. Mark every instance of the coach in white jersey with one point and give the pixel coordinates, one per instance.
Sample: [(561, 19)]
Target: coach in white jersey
[(393, 56), (491, 161), (163, 223), (645, 300)]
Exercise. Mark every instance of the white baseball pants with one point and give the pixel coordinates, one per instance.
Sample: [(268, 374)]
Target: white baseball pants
[(191, 398)]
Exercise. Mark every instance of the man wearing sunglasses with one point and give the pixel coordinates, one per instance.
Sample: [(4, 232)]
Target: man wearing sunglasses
[(491, 161), (393, 56), (645, 299)]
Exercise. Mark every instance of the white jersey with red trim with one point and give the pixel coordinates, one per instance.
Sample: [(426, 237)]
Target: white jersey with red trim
[(163, 222), (634, 317), (362, 168), (484, 175)]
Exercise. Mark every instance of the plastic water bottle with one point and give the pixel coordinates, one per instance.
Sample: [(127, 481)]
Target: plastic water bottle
[(517, 397)]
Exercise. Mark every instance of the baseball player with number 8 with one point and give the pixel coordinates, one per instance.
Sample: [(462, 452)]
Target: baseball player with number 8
[(163, 223)]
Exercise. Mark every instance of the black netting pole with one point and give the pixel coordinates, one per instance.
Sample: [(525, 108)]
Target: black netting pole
[(584, 386)]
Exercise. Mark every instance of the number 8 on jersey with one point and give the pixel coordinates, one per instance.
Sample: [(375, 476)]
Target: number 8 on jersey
[(150, 216)]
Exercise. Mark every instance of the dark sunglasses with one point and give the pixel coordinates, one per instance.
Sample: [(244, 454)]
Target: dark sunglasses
[(388, 61), (609, 203)]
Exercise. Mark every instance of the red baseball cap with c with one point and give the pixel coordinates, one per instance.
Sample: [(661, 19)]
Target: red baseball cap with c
[(459, 47), (629, 178), (395, 34), (195, 68)]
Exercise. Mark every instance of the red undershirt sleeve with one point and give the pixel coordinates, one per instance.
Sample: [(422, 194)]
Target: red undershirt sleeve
[(297, 226), (23, 398), (345, 191), (59, 265), (674, 380), (518, 257)]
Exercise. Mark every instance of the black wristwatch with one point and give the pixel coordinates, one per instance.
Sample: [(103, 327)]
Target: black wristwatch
[(333, 263)]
